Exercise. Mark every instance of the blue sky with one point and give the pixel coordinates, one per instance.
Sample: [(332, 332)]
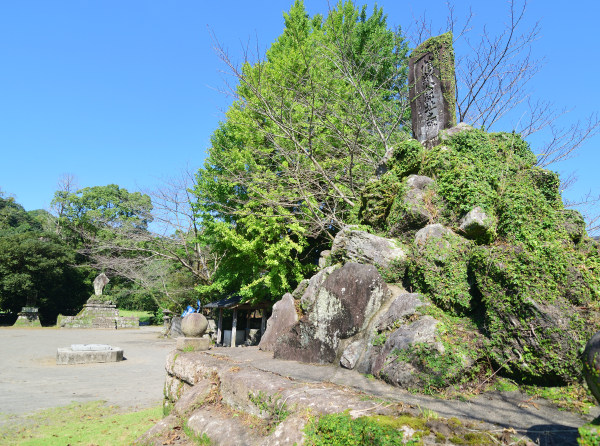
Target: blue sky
[(127, 92)]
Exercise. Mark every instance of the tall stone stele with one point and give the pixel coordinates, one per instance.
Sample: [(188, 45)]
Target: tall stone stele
[(432, 90)]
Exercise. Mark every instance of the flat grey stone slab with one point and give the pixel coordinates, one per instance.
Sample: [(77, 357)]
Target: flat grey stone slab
[(90, 347), (69, 356)]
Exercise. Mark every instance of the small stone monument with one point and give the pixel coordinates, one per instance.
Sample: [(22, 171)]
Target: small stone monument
[(99, 312), (29, 317), (193, 327), (432, 91), (99, 283)]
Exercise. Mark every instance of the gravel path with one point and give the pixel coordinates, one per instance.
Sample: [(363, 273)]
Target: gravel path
[(31, 380)]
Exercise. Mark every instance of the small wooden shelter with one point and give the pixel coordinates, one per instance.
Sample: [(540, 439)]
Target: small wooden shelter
[(235, 304)]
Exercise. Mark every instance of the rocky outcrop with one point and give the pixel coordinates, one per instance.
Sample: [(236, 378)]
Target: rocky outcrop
[(415, 207), (336, 310), (353, 245), (439, 267), (283, 317), (477, 225), (591, 365), (529, 334)]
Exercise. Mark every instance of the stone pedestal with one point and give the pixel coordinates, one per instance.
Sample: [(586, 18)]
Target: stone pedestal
[(193, 327), (88, 353), (97, 313), (192, 344), (28, 317)]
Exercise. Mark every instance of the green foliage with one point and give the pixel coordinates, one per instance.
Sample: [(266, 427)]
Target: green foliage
[(36, 265), (377, 199), (439, 269), (342, 430), (272, 406), (531, 282), (589, 434), (297, 147), (99, 208)]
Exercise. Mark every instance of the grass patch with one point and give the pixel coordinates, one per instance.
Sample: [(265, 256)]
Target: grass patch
[(86, 424), (145, 316)]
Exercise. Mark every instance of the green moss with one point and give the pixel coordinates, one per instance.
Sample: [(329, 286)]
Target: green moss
[(589, 434), (341, 429), (377, 199), (439, 270)]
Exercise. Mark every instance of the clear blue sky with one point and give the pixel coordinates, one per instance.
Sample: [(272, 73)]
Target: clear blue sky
[(126, 92)]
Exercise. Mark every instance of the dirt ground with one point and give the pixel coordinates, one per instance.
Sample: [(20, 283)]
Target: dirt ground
[(31, 380)]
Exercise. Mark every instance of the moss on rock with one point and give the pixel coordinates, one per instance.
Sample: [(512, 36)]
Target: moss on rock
[(535, 279)]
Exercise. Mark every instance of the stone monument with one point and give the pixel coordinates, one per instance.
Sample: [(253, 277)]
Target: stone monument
[(193, 327), (29, 317), (432, 91), (99, 283), (99, 312)]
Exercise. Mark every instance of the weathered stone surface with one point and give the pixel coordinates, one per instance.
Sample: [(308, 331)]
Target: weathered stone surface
[(224, 430), (310, 288), (98, 314), (432, 89), (194, 325), (477, 225), (440, 268), (175, 330), (435, 231), (421, 331), (352, 353), (591, 365), (289, 432), (99, 283), (352, 245), (284, 316), (323, 258), (414, 208), (66, 356), (405, 305), (574, 224), (445, 135), (342, 306), (153, 437), (193, 397), (192, 344)]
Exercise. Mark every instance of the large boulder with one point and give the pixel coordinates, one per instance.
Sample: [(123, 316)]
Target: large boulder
[(591, 365), (338, 309), (477, 225), (439, 268), (352, 245), (535, 331), (283, 317), (415, 207)]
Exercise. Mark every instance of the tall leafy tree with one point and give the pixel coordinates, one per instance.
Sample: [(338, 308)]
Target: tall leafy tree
[(310, 123), (36, 264)]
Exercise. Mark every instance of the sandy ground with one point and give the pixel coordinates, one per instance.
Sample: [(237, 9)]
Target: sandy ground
[(31, 380)]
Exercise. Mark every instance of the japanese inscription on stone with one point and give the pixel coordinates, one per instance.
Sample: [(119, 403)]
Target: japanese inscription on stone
[(431, 80)]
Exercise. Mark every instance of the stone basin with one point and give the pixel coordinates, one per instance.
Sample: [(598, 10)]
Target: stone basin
[(88, 353)]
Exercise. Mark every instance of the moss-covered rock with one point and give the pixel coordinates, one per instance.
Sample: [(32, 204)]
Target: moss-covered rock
[(438, 268), (534, 331), (530, 277)]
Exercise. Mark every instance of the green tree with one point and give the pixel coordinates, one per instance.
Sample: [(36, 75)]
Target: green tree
[(309, 126), (36, 264)]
